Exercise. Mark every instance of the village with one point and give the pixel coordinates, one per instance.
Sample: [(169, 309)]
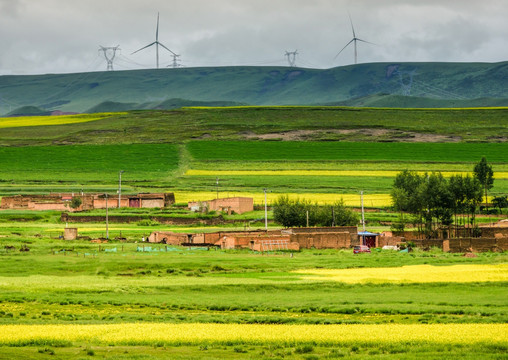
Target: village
[(492, 238)]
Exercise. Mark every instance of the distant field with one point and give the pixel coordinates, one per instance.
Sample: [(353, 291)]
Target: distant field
[(318, 171), (321, 173), (297, 123), (348, 151), (84, 164)]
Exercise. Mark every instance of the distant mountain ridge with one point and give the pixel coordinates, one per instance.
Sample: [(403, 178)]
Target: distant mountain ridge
[(375, 84)]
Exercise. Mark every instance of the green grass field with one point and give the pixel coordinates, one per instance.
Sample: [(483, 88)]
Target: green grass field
[(162, 167), (347, 151), (77, 283)]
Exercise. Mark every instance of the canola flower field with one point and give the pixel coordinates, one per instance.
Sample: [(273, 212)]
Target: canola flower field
[(27, 121), (138, 334), (413, 274), (370, 200), (370, 173)]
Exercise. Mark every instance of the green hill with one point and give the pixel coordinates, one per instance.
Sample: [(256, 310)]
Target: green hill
[(28, 111), (399, 101), (450, 84)]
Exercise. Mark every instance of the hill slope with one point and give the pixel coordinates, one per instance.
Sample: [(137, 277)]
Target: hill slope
[(256, 85)]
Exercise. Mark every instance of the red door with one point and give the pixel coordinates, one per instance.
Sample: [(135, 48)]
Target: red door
[(370, 241)]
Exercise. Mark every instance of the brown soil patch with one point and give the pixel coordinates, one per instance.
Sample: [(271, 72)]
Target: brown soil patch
[(383, 134)]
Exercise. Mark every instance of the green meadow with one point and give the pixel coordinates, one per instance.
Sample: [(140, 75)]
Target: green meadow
[(162, 167), (62, 283)]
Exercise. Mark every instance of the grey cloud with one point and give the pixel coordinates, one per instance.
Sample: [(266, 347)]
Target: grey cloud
[(39, 36)]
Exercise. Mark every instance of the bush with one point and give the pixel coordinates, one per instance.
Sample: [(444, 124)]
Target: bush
[(304, 349)]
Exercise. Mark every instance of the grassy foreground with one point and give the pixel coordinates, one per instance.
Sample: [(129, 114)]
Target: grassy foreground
[(77, 300)]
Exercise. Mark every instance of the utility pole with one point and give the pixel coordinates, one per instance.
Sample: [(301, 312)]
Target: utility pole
[(363, 214), (107, 219), (120, 186), (217, 185), (266, 211)]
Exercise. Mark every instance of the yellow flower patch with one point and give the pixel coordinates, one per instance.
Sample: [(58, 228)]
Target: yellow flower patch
[(370, 173), (149, 333), (411, 274), (370, 200), (23, 121)]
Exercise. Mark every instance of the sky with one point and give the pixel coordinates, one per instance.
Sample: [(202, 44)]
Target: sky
[(64, 36)]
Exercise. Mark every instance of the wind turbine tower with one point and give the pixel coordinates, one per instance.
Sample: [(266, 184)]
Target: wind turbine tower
[(291, 57), (109, 55), (354, 40), (156, 43)]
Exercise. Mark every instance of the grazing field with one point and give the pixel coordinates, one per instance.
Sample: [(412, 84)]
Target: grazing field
[(296, 123), (75, 299)]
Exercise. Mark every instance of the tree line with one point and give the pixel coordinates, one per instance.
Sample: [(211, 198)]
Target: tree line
[(301, 212), (435, 202)]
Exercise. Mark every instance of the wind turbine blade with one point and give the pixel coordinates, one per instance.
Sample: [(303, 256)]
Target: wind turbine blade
[(144, 47), (366, 41), (157, 30), (166, 48), (343, 49), (352, 27)]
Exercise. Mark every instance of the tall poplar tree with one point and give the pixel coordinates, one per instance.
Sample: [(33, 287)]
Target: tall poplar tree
[(484, 173)]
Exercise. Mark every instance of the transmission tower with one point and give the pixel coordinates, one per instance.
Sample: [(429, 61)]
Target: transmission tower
[(109, 55), (176, 62), (406, 81), (291, 57)]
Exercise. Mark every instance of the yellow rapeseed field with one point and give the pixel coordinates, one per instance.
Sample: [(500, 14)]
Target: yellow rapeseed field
[(149, 333), (370, 200), (23, 121), (412, 274), (370, 173)]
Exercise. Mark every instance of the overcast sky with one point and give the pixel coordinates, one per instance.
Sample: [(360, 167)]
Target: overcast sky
[(61, 36)]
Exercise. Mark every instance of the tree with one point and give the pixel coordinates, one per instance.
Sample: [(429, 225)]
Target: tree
[(500, 202), (288, 212), (484, 173), (76, 202)]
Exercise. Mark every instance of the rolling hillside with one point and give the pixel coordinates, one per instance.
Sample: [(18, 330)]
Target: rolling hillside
[(439, 84)]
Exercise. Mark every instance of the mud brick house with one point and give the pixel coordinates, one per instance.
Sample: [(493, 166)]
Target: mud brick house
[(135, 201), (61, 202), (238, 205)]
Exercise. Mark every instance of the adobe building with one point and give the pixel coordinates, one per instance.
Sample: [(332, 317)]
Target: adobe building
[(61, 202), (143, 200), (237, 205)]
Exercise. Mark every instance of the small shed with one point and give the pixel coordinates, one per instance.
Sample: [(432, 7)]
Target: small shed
[(368, 238)]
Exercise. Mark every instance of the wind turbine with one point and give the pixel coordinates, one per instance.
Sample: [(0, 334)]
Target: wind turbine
[(354, 40), (156, 43)]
